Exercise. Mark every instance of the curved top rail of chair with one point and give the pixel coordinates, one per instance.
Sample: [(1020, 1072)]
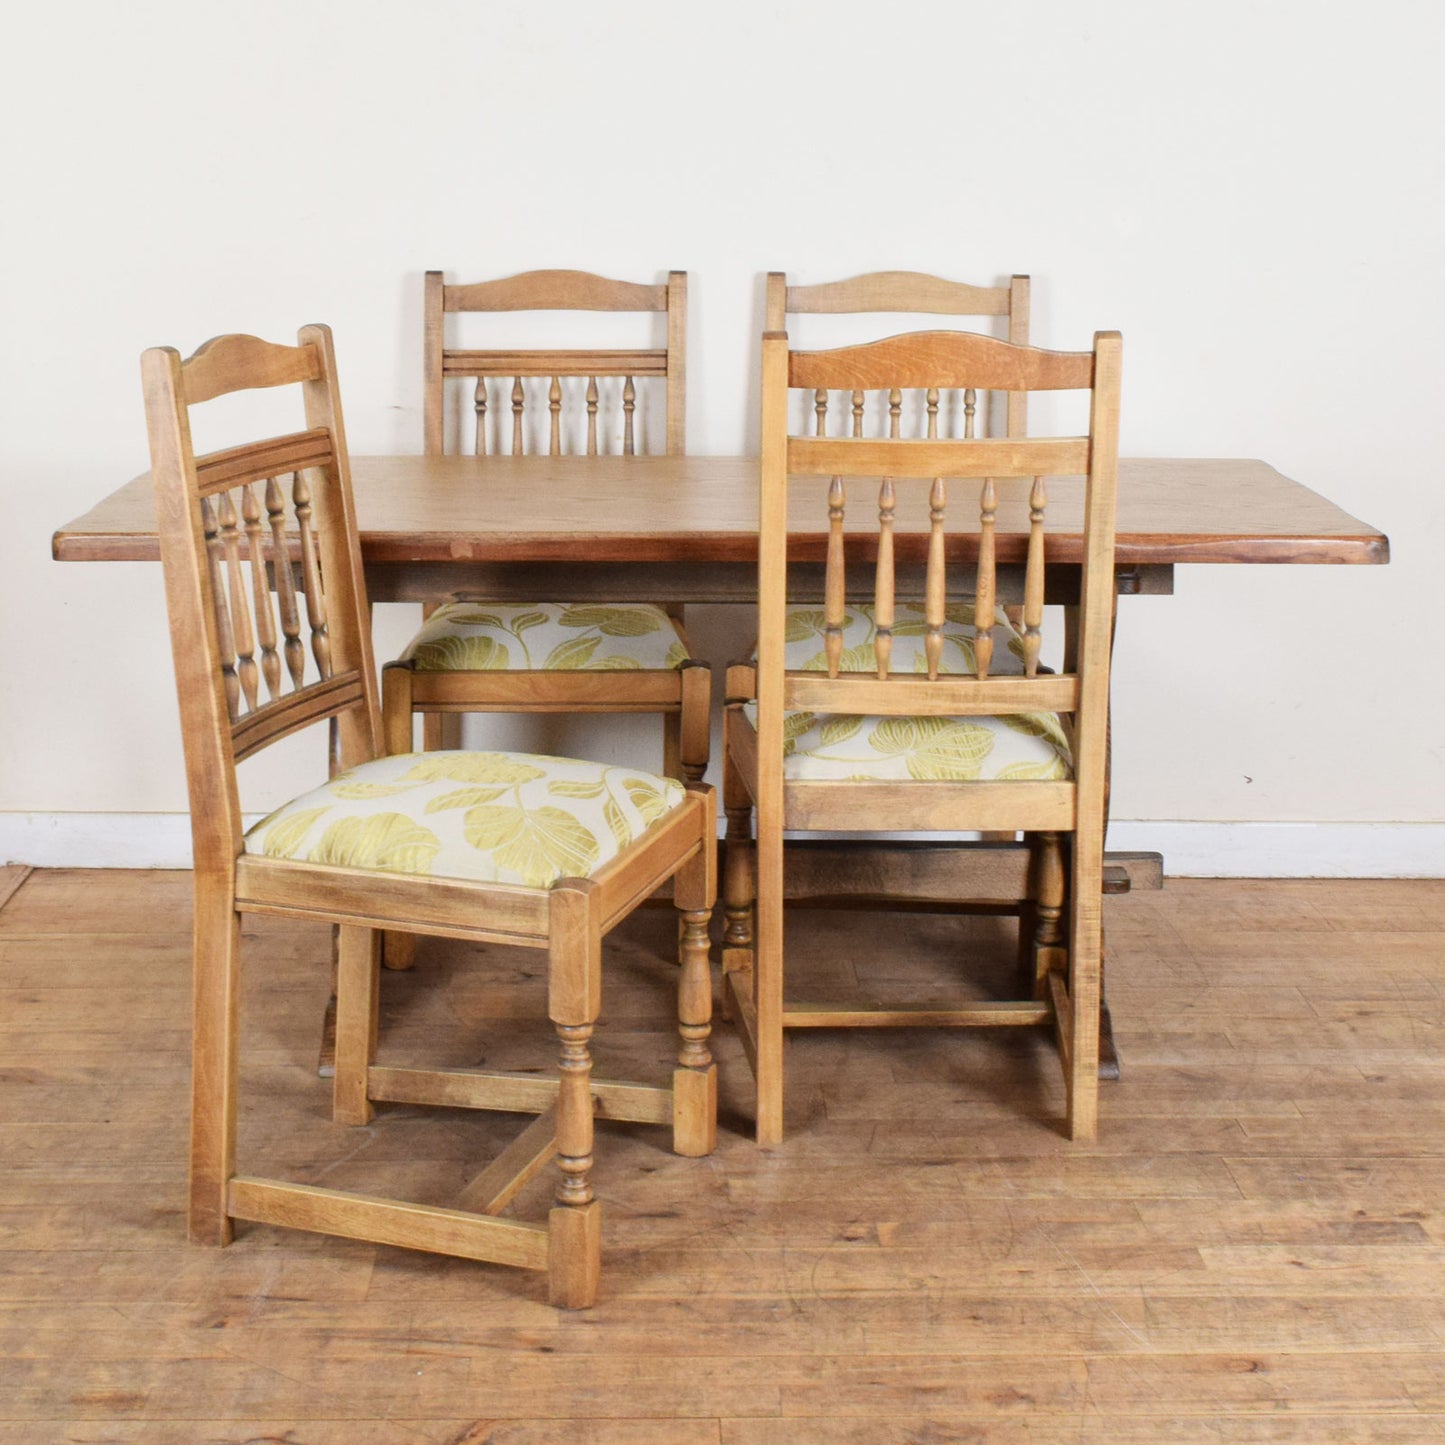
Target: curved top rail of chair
[(900, 291), (239, 363), (943, 358), (555, 291)]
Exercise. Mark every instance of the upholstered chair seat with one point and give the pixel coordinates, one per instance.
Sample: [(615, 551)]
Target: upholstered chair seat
[(546, 637), (487, 816)]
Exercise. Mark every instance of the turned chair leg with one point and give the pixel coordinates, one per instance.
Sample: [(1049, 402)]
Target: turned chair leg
[(574, 1226), (694, 1081), (574, 999), (1050, 947)]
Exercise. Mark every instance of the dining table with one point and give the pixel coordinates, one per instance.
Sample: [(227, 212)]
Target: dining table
[(684, 529), (530, 528)]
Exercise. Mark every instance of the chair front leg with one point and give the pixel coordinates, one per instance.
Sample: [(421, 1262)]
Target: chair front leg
[(574, 996), (574, 1227), (574, 1117)]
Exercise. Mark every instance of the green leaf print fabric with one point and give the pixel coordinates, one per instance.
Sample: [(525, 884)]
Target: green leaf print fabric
[(821, 746), (492, 817), (546, 637)]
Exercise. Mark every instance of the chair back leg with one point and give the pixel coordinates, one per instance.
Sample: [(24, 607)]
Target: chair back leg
[(215, 1022), (358, 983)]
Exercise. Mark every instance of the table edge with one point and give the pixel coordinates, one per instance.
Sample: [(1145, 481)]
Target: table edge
[(1345, 549)]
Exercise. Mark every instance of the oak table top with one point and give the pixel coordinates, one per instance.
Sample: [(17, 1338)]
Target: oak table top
[(659, 509)]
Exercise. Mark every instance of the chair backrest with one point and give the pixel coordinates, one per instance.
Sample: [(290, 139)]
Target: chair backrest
[(905, 292), (263, 574), (554, 291), (1009, 474)]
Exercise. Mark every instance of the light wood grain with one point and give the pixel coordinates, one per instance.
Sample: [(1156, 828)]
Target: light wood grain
[(911, 292), (515, 1092), (909, 457), (942, 358), (1253, 1250), (904, 694), (681, 702), (234, 363), (892, 291), (554, 291), (619, 512), (514, 1168), (1064, 980), (216, 548), (385, 1221)]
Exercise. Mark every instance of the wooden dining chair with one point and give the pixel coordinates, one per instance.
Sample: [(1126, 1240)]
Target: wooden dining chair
[(478, 655), (913, 293), (968, 413), (270, 632), (935, 716)]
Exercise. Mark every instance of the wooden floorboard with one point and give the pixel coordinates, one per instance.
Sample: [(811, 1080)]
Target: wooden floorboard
[(12, 875), (1253, 1251)]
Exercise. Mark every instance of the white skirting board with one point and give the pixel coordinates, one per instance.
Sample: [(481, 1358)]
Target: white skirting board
[(1288, 850), (1191, 850), (98, 840)]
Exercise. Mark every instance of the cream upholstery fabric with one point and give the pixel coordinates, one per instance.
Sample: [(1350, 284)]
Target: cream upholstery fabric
[(546, 637), (819, 746), (803, 641), (493, 817), (1030, 746)]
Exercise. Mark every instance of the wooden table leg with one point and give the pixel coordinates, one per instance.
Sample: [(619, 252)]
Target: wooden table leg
[(326, 1055), (1113, 883), (1108, 1054)]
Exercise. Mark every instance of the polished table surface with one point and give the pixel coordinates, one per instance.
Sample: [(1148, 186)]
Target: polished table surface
[(700, 513)]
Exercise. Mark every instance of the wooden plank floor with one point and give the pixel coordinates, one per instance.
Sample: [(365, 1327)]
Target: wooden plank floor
[(1254, 1250)]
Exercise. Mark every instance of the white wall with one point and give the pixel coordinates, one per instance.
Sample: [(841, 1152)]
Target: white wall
[(1251, 193)]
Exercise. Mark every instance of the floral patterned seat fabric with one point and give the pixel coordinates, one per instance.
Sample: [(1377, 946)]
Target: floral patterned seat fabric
[(546, 637), (490, 817), (821, 746)]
